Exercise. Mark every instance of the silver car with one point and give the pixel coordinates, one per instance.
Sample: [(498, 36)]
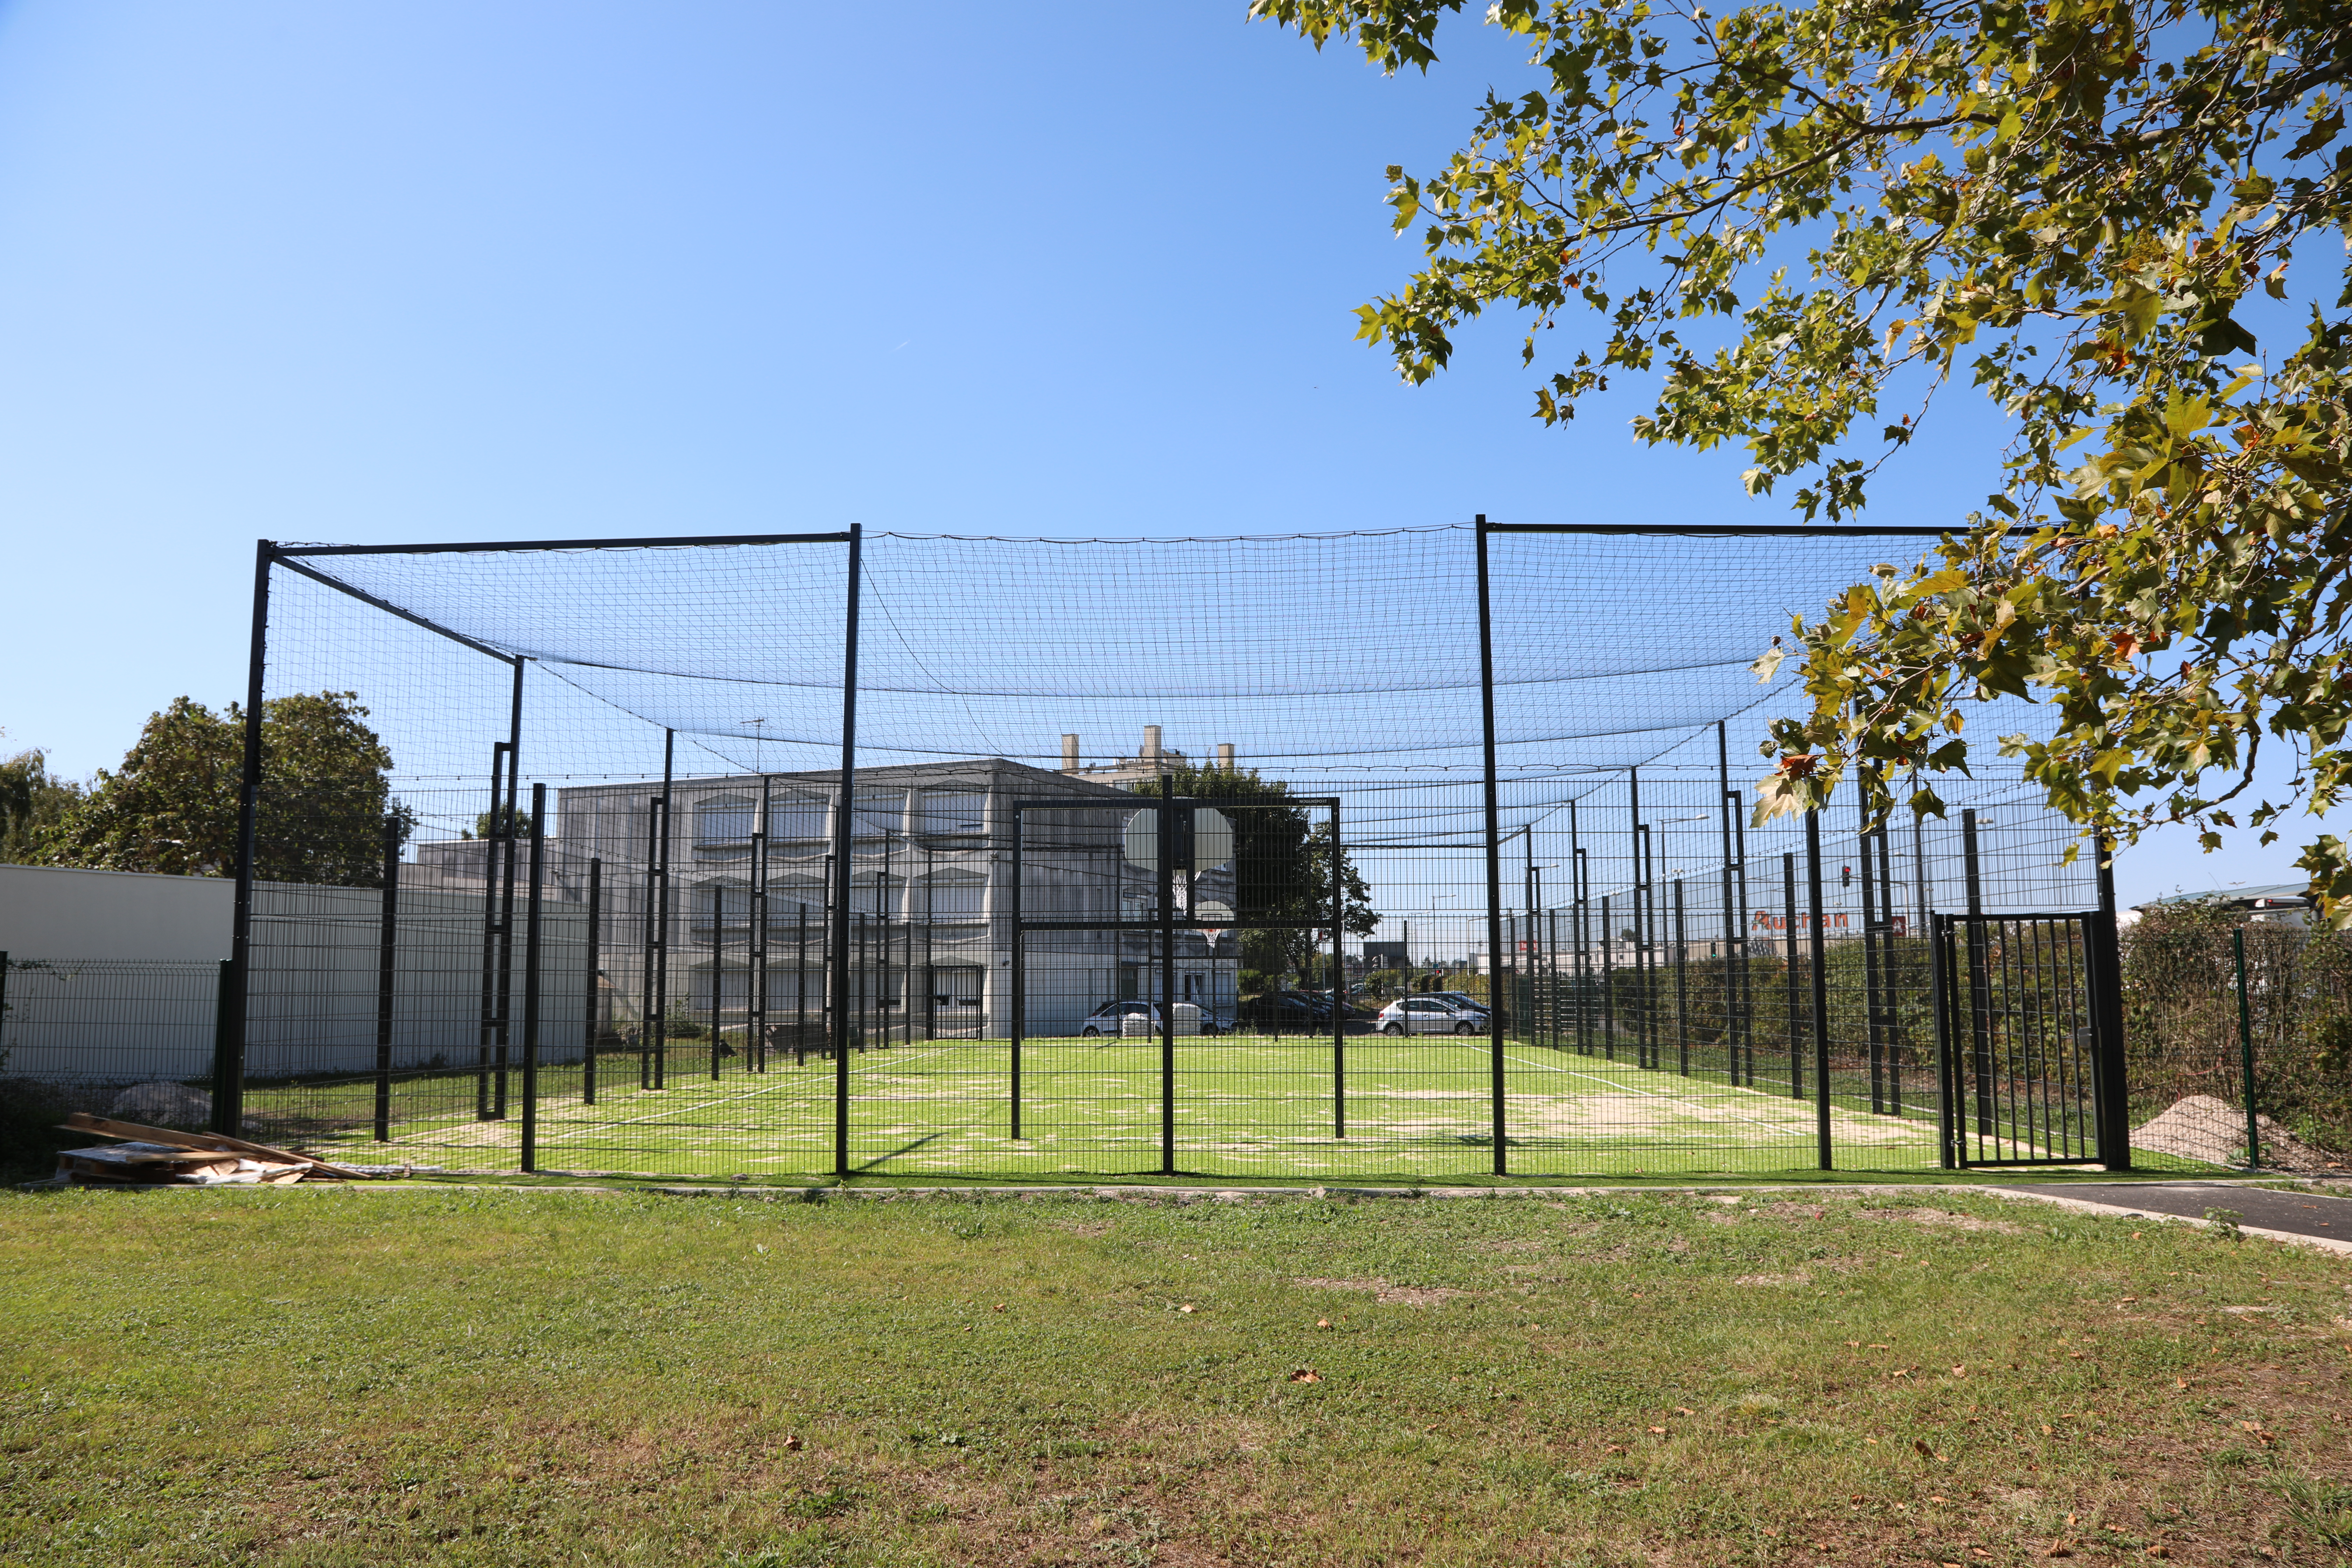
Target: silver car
[(1426, 1015)]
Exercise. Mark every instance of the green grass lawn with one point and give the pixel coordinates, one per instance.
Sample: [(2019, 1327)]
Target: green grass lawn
[(1415, 1110), (335, 1377)]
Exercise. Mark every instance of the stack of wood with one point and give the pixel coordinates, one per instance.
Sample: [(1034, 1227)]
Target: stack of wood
[(163, 1155)]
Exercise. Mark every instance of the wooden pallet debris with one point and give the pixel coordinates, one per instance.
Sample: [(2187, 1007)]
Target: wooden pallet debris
[(147, 1165), (201, 1159)]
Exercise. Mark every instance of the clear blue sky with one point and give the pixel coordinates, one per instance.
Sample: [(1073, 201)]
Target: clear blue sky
[(370, 272)]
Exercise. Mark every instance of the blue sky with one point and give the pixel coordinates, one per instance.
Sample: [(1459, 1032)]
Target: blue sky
[(374, 272)]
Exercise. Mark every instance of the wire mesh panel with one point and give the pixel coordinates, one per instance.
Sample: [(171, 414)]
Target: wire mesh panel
[(846, 855), (2017, 1018), (99, 1024)]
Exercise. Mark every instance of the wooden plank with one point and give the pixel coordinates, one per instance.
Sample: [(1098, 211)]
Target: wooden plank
[(214, 1143)]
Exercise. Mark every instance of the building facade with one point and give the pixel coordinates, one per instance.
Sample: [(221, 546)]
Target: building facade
[(697, 903)]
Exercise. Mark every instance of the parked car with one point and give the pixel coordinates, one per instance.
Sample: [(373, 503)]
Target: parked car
[(1428, 1015), (1460, 999), (1321, 1002), (1281, 1012), (1111, 1017)]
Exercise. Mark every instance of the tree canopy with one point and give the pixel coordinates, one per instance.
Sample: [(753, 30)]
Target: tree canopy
[(172, 806), (1806, 221), (32, 799)]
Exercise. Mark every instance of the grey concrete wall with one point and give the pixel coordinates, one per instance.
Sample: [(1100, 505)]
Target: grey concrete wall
[(142, 1005)]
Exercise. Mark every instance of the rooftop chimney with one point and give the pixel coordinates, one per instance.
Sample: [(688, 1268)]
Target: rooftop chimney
[(1226, 757), (1151, 743), (1069, 754)]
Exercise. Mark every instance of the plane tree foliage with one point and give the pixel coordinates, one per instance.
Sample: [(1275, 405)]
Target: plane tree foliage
[(1803, 224), (172, 806)]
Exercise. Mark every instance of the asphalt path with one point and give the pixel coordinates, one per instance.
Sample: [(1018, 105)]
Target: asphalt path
[(2297, 1214)]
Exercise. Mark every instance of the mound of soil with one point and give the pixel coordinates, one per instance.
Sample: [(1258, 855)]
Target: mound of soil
[(2203, 1128)]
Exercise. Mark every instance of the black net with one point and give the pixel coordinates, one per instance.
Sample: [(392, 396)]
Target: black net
[(1159, 856)]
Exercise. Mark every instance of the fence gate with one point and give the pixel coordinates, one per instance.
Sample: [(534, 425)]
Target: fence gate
[(2017, 1036)]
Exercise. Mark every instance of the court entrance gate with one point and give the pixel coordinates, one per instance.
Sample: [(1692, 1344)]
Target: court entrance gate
[(2026, 1036)]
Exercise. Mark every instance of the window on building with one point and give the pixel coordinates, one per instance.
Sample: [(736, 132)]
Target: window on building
[(952, 897), (875, 894), (723, 828), (954, 814), (789, 895), (724, 905), (955, 985), (796, 819), (879, 813)]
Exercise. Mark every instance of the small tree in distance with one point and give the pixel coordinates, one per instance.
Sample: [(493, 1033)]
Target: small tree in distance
[(1282, 865)]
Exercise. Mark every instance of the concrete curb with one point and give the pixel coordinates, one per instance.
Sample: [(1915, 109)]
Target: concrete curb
[(2118, 1211)]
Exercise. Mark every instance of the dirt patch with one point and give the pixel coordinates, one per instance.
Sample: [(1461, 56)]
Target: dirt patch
[(2213, 1131), (1386, 1294), (1783, 1209), (1944, 1218)]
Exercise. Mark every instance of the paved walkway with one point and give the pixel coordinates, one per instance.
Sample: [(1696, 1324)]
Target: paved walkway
[(2326, 1217)]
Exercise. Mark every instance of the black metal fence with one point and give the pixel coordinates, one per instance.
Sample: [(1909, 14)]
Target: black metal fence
[(808, 853)]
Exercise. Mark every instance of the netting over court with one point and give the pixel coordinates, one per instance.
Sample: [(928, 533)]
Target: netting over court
[(963, 963)]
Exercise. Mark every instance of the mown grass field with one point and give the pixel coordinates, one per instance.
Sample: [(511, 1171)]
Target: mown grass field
[(1415, 1110), (329, 1377)]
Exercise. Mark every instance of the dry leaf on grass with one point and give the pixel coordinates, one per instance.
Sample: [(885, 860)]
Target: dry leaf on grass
[(1306, 1374)]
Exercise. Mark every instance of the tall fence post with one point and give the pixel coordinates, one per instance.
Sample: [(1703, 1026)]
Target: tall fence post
[(1682, 986), (2246, 1051), (718, 975), (226, 1026), (1979, 978), (1166, 895), (844, 846), (1499, 1117), (589, 1024), (1870, 949), (531, 951), (387, 948), (233, 1005), (1743, 985), (657, 1023), (1817, 964), (1338, 985), (1607, 985), (1949, 1140), (755, 1021), (1724, 811), (504, 825), (652, 943), (2113, 1098), (1789, 977), (1019, 1001), (1888, 952), (484, 1105)]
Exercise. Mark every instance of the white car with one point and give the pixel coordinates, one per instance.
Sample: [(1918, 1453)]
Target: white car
[(1110, 1019), (1426, 1015)]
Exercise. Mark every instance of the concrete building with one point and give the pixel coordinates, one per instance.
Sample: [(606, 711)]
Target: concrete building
[(929, 889)]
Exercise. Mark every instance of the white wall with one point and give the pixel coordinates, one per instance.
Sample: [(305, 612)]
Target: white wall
[(111, 976), (49, 911)]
